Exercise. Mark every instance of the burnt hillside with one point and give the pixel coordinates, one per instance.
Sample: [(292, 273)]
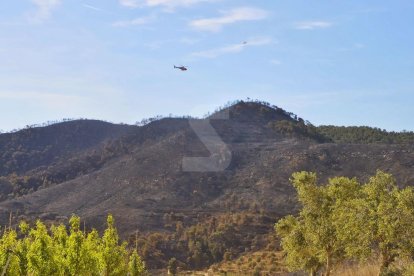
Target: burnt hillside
[(136, 174), (30, 148)]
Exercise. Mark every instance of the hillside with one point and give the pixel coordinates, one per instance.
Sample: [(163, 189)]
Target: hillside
[(31, 148), (42, 156), (136, 174)]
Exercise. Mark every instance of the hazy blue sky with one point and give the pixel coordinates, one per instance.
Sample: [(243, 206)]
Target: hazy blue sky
[(347, 62)]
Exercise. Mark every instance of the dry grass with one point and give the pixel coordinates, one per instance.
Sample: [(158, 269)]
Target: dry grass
[(370, 269), (263, 262), (270, 263)]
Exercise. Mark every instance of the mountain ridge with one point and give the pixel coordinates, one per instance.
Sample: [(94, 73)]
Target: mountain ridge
[(137, 175)]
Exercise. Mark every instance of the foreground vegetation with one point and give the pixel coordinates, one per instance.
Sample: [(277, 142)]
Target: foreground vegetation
[(57, 251), (346, 221), (343, 226)]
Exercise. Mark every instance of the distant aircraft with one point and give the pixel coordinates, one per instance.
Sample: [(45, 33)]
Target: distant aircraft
[(182, 68), (244, 42)]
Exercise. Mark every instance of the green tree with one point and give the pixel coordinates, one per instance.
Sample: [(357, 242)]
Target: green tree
[(136, 267), (381, 219), (59, 238), (299, 253), (112, 255), (310, 240), (8, 260), (22, 248), (54, 251), (345, 219), (92, 258), (390, 218), (42, 254), (77, 251)]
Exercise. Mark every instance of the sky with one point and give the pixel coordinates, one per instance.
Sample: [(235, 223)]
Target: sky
[(331, 62)]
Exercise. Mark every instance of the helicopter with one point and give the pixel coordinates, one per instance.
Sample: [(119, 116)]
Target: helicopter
[(182, 68)]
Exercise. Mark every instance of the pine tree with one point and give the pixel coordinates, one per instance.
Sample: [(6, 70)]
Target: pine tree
[(60, 239), (112, 255), (8, 260), (22, 248), (92, 258), (77, 253), (42, 254)]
